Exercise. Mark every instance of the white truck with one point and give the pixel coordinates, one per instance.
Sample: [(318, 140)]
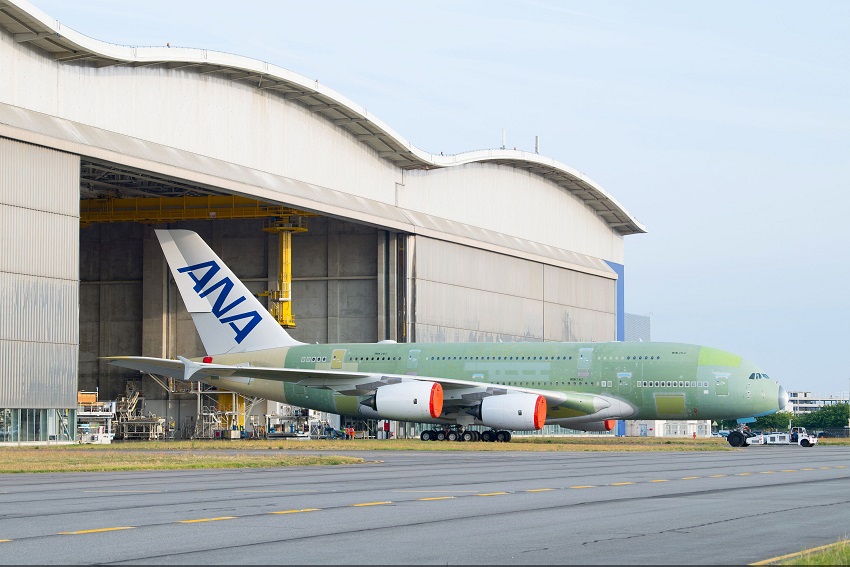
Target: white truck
[(794, 436)]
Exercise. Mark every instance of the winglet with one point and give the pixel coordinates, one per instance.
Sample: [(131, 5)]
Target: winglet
[(189, 368)]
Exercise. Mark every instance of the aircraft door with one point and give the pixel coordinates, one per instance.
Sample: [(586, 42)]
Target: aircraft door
[(338, 357), (721, 385), (585, 357)]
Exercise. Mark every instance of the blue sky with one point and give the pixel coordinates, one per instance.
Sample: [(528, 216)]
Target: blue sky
[(723, 126)]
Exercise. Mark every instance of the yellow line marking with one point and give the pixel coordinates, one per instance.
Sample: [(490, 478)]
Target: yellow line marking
[(492, 493), (540, 489), (788, 470), (743, 474), (428, 498), (824, 468), (4, 540), (767, 472), (841, 467), (659, 480), (620, 483), (690, 477), (584, 486), (97, 530), (717, 476), (800, 553), (372, 503), (199, 520), (296, 511)]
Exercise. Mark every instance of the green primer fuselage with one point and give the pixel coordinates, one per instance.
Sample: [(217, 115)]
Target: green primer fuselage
[(656, 380)]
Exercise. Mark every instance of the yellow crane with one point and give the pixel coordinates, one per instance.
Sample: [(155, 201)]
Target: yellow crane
[(284, 221)]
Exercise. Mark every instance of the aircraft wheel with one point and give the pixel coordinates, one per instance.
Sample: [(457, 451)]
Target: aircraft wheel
[(452, 436), (476, 436), (467, 436), (426, 436), (488, 436), (503, 436), (441, 436), (736, 439)]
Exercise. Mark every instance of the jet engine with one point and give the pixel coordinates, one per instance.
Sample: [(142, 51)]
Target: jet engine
[(519, 412), (408, 401)]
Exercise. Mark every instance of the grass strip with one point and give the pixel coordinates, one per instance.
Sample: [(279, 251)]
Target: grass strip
[(79, 459), (837, 553)]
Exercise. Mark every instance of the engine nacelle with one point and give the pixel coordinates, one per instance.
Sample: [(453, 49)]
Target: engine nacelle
[(408, 401), (519, 412), (606, 425)]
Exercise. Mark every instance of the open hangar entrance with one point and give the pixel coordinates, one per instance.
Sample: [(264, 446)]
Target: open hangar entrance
[(129, 303)]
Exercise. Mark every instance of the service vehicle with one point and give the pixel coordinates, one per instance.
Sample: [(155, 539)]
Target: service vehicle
[(794, 436)]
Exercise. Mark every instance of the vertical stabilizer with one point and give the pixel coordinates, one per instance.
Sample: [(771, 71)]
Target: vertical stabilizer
[(228, 316)]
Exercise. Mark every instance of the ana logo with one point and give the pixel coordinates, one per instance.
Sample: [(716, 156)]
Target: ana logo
[(202, 274)]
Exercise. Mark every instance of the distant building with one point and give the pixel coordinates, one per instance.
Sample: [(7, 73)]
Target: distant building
[(807, 402), (668, 428)]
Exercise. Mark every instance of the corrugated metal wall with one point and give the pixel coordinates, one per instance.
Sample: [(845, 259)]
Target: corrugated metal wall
[(466, 294), (39, 274)]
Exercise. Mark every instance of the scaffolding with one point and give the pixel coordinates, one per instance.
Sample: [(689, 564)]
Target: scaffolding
[(94, 419), (133, 423), (219, 414)]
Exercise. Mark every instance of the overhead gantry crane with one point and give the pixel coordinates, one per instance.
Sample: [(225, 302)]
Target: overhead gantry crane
[(284, 221)]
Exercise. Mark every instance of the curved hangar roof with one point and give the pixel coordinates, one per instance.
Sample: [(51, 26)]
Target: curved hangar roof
[(29, 24)]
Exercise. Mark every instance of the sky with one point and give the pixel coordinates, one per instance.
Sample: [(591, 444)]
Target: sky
[(723, 126)]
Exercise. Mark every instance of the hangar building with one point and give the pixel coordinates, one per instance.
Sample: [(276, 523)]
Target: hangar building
[(101, 143)]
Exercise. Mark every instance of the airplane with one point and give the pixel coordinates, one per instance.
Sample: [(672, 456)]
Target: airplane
[(503, 387)]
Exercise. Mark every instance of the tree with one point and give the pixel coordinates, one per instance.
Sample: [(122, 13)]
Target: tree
[(831, 416), (774, 422)]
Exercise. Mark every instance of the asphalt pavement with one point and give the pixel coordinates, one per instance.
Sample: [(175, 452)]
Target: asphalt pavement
[(440, 508)]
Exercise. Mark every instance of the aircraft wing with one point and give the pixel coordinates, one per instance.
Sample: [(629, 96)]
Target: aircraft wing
[(455, 392)]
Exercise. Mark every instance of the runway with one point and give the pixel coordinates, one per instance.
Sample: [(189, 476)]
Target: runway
[(440, 507)]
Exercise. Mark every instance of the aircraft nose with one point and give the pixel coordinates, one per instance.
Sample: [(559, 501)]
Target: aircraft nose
[(783, 398)]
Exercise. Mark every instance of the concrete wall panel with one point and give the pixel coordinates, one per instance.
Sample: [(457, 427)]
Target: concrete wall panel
[(39, 267), (467, 294), (441, 261)]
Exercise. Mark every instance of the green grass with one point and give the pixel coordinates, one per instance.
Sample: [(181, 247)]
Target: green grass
[(78, 458), (834, 554), (209, 454)]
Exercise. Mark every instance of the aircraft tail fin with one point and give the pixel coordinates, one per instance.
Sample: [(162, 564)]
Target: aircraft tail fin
[(229, 318)]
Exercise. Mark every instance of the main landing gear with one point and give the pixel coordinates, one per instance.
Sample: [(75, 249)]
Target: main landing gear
[(457, 434)]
